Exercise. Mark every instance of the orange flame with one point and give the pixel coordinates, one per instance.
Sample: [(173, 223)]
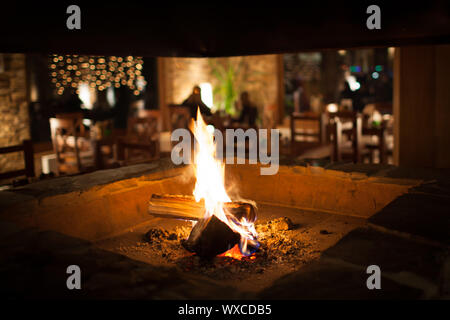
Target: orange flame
[(210, 183), (235, 253)]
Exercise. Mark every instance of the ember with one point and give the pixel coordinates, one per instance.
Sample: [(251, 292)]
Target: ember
[(234, 253), (281, 249)]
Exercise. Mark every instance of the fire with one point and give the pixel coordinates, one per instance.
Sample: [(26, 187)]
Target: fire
[(210, 186), (235, 253)]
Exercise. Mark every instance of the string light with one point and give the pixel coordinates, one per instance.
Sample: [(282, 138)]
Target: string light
[(97, 72)]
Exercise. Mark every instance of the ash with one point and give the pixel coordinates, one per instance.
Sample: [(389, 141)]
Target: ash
[(281, 246)]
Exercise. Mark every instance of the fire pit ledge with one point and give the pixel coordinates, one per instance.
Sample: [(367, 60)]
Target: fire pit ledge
[(100, 204)]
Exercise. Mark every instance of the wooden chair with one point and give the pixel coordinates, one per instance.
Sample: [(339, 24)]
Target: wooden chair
[(347, 125), (378, 137), (27, 148), (379, 145), (142, 129), (308, 131), (152, 114), (105, 153), (73, 149), (141, 143), (374, 139), (179, 116)]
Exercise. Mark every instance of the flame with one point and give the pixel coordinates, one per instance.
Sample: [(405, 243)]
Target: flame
[(235, 253), (210, 186)]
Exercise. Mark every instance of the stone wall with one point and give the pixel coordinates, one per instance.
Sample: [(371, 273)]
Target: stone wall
[(14, 120), (258, 75)]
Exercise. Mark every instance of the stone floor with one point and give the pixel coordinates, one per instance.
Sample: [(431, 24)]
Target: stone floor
[(33, 265)]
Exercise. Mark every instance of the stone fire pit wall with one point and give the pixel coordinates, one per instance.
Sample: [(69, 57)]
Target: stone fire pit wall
[(105, 203)]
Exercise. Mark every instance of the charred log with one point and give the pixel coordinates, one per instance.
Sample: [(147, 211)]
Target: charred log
[(210, 237)]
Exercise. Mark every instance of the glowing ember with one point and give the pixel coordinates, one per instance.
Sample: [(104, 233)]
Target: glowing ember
[(210, 186), (235, 253)]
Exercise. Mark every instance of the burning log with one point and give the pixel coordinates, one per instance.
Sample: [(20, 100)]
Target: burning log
[(210, 237), (186, 208)]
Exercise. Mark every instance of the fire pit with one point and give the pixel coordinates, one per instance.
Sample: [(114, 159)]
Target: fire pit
[(289, 238), (301, 212)]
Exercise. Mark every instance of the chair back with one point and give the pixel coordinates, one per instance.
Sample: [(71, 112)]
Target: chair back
[(65, 133), (143, 129), (141, 143), (152, 114), (27, 148), (308, 127), (179, 116), (353, 133), (68, 124), (308, 130)]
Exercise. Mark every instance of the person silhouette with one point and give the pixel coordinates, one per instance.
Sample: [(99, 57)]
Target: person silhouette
[(249, 111), (194, 101)]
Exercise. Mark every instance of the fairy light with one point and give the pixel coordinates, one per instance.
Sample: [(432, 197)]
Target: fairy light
[(97, 72)]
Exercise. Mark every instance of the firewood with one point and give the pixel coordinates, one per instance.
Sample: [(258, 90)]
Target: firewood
[(211, 237), (186, 208)]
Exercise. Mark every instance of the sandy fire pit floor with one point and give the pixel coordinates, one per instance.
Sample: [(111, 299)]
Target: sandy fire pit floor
[(285, 247)]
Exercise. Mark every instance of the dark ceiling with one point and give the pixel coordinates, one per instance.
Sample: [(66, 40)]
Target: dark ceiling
[(230, 28)]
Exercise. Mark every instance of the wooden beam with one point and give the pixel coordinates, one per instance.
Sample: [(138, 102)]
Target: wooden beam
[(414, 106), (162, 30)]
